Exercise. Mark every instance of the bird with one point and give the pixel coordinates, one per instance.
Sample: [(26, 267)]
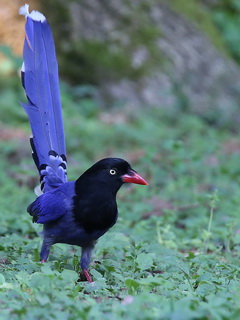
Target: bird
[(72, 212)]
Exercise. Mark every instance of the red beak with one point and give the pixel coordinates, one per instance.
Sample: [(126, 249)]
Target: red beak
[(134, 177)]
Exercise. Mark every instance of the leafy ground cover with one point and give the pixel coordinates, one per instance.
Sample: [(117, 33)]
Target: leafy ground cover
[(174, 253)]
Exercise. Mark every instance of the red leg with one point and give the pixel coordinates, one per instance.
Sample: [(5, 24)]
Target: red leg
[(89, 279), (42, 261)]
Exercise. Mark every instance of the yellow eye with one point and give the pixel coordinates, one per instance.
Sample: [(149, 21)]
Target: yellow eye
[(113, 172)]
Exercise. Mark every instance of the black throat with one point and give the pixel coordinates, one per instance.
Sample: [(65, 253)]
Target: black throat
[(94, 206)]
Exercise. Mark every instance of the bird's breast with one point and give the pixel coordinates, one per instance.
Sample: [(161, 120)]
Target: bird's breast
[(95, 214)]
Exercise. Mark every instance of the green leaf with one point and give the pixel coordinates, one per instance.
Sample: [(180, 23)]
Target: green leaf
[(144, 261), (132, 285), (2, 279)]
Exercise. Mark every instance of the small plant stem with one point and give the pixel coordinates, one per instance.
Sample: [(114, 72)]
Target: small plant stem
[(159, 235), (213, 203), (210, 219), (189, 282)]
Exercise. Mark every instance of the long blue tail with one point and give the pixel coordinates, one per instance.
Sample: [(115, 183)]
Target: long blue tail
[(40, 81)]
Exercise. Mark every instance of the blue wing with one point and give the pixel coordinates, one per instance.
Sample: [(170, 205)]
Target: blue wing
[(47, 208), (41, 84), (54, 204)]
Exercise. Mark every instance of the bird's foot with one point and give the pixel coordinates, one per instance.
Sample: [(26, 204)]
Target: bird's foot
[(43, 260), (87, 275)]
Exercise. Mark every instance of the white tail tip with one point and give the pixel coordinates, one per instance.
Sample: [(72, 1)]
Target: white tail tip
[(38, 191), (34, 15), (23, 67), (24, 10)]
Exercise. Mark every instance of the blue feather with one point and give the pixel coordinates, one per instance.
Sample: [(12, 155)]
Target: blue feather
[(41, 84), (52, 205)]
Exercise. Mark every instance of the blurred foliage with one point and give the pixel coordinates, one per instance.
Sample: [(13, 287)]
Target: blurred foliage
[(174, 252), (9, 62), (87, 59), (201, 17), (226, 15)]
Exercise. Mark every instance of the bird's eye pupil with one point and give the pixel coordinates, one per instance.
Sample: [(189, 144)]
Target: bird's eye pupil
[(112, 172)]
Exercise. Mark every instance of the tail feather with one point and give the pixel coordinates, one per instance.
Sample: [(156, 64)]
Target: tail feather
[(41, 84)]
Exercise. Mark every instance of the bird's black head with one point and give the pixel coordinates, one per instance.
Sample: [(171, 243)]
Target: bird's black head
[(110, 173)]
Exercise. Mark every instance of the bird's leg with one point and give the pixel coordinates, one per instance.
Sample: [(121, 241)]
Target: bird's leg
[(85, 261), (87, 275), (45, 250)]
